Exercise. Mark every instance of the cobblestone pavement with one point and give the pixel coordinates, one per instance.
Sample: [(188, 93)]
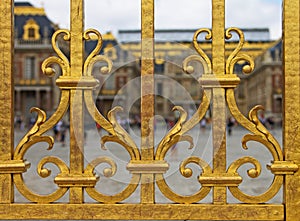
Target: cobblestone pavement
[(181, 185)]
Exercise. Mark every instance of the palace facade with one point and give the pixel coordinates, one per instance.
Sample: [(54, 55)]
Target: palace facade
[(265, 84), (175, 87), (33, 31)]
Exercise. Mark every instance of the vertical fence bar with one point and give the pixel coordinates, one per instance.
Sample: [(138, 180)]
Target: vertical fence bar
[(219, 106), (147, 97), (76, 100), (6, 96), (291, 130)]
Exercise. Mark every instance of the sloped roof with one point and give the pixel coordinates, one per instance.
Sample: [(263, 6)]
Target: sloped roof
[(276, 49), (18, 4), (25, 11), (186, 35), (108, 40)]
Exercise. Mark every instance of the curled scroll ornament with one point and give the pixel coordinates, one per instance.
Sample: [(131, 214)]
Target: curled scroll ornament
[(236, 56), (178, 132), (94, 56), (261, 135), (252, 124), (35, 134), (116, 134), (61, 60)]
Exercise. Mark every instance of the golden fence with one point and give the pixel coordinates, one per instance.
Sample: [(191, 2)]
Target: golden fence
[(148, 165)]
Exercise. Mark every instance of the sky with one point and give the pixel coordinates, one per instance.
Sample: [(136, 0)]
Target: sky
[(114, 15)]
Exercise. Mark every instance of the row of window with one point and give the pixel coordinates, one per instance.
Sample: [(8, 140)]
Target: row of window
[(30, 68)]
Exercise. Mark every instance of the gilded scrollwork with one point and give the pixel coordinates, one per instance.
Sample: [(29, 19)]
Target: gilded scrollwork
[(201, 57), (116, 134), (111, 125), (186, 172), (205, 61), (61, 60), (253, 124), (157, 166), (259, 134), (64, 179), (94, 56), (229, 178), (30, 139), (34, 136), (236, 56), (174, 135), (42, 125), (120, 136), (253, 173), (182, 126), (147, 166), (109, 172)]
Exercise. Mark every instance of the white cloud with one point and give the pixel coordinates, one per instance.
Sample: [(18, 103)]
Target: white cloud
[(183, 14), (255, 14), (113, 15)]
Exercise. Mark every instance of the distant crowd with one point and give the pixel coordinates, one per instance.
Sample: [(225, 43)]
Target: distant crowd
[(60, 129)]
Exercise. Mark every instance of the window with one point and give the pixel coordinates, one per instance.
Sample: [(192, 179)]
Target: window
[(29, 68), (110, 51), (31, 33), (159, 89), (159, 68), (31, 30)]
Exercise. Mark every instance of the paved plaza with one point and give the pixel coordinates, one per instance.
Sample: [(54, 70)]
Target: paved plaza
[(181, 185)]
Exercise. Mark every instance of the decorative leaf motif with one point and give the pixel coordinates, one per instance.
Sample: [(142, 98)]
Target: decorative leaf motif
[(30, 139), (186, 172), (173, 136), (253, 173), (44, 172), (236, 56), (33, 137), (119, 135), (93, 57), (202, 57), (61, 60), (107, 172), (261, 135)]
